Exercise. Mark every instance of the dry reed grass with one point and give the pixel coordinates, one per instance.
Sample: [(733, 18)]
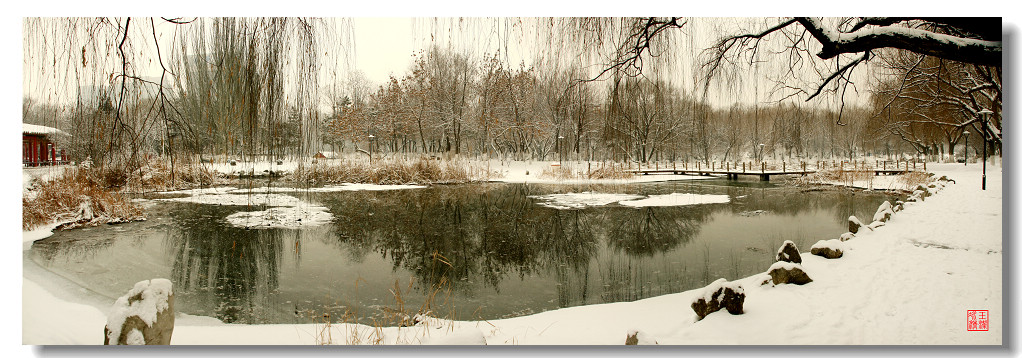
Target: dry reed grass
[(78, 197), (390, 171), (603, 172)]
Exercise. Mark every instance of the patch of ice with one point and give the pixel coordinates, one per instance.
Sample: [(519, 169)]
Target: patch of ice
[(581, 200), (239, 199), (282, 217), (199, 191), (327, 189), (677, 199)]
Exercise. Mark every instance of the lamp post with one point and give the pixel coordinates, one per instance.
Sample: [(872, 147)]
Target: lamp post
[(986, 119), (371, 139), (560, 155), (966, 133)]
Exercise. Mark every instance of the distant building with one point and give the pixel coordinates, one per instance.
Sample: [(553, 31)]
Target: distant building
[(326, 155), (38, 146)]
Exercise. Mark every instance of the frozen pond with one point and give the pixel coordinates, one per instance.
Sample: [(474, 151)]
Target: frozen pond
[(475, 251)]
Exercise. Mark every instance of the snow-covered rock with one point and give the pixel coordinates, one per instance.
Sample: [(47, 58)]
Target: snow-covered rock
[(720, 294), (874, 225), (854, 224), (847, 236), (788, 253), (144, 316), (830, 249), (883, 212), (637, 337), (786, 272), (899, 206)]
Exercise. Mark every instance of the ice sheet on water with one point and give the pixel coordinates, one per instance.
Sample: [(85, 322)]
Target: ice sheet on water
[(239, 199), (677, 199), (581, 200), (282, 217)]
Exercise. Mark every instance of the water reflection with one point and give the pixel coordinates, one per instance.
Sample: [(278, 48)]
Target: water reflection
[(489, 248)]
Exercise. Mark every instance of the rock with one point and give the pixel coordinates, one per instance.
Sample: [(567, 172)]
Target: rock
[(876, 224), (911, 199), (788, 253), (787, 272), (637, 337), (884, 212), (847, 236), (720, 294), (830, 249), (899, 206), (854, 224), (143, 316)]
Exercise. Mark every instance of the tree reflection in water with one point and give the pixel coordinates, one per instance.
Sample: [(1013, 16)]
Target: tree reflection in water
[(483, 246), (232, 270)]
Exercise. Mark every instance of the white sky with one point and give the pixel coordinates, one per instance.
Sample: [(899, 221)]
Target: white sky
[(384, 46)]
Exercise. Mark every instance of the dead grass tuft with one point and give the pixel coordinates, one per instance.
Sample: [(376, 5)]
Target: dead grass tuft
[(78, 197), (390, 171)]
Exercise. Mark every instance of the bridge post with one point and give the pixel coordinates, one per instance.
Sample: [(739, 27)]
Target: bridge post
[(763, 168), (764, 177)]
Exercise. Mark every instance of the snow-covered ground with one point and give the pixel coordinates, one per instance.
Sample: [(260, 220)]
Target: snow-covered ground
[(909, 282), (530, 172)]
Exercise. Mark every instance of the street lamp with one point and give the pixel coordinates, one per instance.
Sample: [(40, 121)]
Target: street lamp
[(985, 113), (966, 148), (371, 139), (560, 155)]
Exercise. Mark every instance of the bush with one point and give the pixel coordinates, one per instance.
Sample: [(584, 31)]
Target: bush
[(78, 197)]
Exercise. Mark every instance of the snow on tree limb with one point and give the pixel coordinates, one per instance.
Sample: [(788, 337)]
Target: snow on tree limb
[(969, 50)]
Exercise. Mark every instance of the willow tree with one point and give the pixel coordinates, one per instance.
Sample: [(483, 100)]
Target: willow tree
[(138, 87), (245, 83)]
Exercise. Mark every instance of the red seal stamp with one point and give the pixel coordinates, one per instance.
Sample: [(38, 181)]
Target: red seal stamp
[(977, 320)]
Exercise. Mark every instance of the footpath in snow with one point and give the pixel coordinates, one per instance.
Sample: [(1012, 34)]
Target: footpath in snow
[(908, 282)]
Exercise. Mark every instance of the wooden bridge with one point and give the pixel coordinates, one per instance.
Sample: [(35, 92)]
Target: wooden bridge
[(731, 174), (764, 174)]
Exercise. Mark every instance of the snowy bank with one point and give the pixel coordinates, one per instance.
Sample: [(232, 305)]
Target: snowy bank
[(909, 282)]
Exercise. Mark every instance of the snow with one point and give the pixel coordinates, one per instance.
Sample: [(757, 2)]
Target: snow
[(643, 338), (677, 199), (200, 191), (879, 182), (581, 200), (329, 188), (238, 199), (833, 244), (785, 266), (37, 129), (945, 252), (717, 285), (135, 338), (882, 211), (848, 236), (155, 295), (282, 217), (529, 172)]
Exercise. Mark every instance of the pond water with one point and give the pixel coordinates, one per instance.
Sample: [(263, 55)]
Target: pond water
[(473, 251)]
